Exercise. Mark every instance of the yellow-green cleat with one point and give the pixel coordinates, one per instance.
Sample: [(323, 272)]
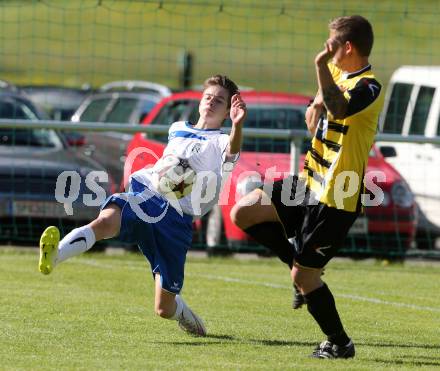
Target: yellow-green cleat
[(48, 249)]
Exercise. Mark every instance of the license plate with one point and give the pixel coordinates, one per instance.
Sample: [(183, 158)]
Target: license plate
[(360, 226), (38, 209)]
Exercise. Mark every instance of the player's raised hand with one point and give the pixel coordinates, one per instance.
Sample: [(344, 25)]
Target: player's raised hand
[(331, 46), (238, 110)]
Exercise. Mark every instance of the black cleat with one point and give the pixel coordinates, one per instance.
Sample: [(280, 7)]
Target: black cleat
[(298, 298), (329, 350)]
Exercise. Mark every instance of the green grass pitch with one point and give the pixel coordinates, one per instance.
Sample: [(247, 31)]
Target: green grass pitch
[(96, 312)]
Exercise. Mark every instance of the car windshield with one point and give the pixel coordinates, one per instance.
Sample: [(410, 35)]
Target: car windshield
[(130, 109), (177, 110), (122, 110), (29, 137), (271, 117), (146, 106), (94, 109), (15, 109)]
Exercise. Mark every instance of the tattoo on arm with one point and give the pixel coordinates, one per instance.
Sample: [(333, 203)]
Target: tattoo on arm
[(334, 101)]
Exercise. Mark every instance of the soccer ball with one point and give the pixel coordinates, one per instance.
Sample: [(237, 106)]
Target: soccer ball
[(175, 177)]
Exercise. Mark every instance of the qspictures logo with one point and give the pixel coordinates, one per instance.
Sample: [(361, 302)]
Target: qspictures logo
[(71, 186)]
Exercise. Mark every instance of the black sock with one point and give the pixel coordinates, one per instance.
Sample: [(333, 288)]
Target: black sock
[(321, 305), (272, 236)]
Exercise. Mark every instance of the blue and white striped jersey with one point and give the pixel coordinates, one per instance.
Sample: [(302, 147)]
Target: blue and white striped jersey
[(205, 152)]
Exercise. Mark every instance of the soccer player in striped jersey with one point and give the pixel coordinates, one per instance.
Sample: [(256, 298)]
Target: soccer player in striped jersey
[(306, 234), (157, 215)]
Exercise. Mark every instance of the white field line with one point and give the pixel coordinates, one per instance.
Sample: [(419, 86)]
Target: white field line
[(264, 284)]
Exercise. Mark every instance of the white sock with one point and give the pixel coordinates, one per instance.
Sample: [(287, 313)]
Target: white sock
[(179, 309), (76, 242)]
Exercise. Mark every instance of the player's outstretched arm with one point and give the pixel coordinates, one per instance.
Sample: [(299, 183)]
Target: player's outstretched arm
[(238, 114)]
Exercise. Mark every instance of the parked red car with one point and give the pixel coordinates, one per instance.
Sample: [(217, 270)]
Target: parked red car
[(390, 225)]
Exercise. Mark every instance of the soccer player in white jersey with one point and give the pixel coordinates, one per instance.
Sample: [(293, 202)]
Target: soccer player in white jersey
[(157, 215)]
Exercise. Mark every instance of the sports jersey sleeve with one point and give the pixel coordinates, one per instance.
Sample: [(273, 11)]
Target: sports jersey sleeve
[(362, 95), (171, 130), (224, 144)]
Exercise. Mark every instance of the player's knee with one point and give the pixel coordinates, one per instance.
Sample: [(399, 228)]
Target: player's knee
[(242, 216), (300, 277), (162, 313), (243, 212), (107, 225), (246, 216), (296, 277), (236, 214), (306, 280)]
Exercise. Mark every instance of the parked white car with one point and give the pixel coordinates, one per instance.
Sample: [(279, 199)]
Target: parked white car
[(412, 107)]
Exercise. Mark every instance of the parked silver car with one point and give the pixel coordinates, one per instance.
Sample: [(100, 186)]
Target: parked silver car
[(59, 102), (31, 161), (117, 102)]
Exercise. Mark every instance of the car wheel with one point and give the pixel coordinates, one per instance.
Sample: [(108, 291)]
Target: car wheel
[(216, 244), (426, 240), (427, 232)]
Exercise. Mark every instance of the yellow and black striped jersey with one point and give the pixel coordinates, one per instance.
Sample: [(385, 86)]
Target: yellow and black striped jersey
[(335, 165)]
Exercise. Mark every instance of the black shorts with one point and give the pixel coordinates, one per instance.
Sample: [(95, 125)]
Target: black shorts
[(316, 230)]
